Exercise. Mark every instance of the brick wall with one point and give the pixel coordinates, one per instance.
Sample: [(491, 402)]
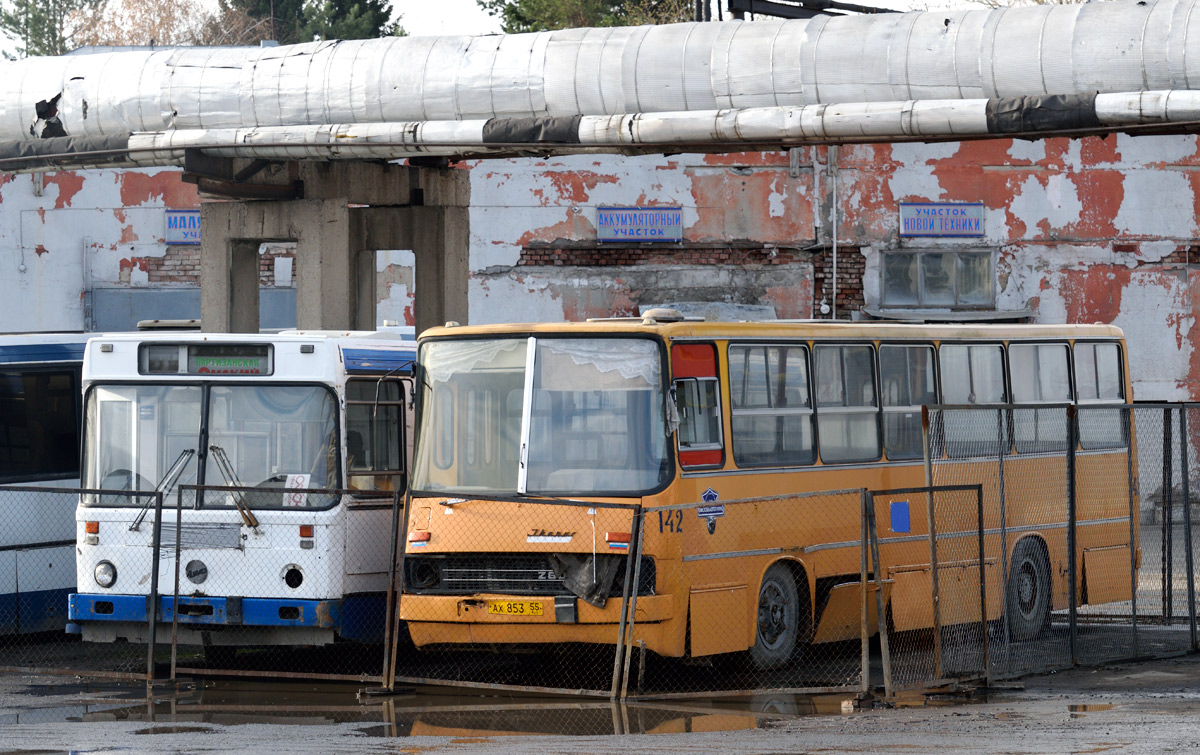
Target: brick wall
[(180, 264), (590, 255), (851, 267)]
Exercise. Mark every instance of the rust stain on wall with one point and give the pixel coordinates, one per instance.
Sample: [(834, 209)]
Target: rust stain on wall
[(761, 205), (1192, 383), (139, 188), (790, 302), (576, 226), (1094, 294), (40, 250), (69, 184), (578, 304), (575, 186)]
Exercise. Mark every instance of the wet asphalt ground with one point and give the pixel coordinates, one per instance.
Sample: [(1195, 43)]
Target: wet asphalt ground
[(1147, 707)]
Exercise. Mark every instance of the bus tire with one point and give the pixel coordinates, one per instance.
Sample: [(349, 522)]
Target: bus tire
[(782, 619), (1028, 595)]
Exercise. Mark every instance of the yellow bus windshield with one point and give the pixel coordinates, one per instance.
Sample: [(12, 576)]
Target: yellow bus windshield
[(545, 416)]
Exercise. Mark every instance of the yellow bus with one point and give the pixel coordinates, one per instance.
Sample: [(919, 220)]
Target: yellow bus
[(534, 444)]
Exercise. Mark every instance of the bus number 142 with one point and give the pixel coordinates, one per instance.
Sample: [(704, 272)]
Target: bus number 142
[(670, 521)]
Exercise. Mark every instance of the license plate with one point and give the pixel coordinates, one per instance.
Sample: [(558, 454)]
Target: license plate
[(515, 607)]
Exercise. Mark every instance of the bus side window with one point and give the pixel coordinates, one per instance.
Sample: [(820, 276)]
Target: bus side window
[(770, 406), (1039, 376), (697, 397), (1097, 382), (847, 408), (973, 374), (375, 411), (908, 383)]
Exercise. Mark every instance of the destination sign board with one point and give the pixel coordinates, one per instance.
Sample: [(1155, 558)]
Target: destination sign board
[(639, 224), (205, 359), (941, 219)]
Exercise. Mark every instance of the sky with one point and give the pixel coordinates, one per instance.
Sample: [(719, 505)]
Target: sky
[(437, 17)]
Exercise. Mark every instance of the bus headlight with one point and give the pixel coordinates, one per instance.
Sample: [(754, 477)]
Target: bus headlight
[(106, 574)]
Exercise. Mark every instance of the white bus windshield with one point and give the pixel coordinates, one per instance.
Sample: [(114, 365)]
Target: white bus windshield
[(587, 419), (274, 436)]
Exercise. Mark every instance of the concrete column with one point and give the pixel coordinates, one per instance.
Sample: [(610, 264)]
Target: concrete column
[(422, 209), (366, 298), (229, 266), (325, 272), (243, 285), (441, 244)]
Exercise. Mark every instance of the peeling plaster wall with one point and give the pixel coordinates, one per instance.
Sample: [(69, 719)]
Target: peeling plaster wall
[(87, 230), (1090, 230)]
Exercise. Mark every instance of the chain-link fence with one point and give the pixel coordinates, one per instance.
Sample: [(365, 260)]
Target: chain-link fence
[(278, 581), (1088, 550), (39, 604), (1051, 536), (929, 544), (767, 594), (238, 581), (521, 593)]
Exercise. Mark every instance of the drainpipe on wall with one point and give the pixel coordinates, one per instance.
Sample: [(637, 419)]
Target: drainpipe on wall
[(89, 324), (833, 220)]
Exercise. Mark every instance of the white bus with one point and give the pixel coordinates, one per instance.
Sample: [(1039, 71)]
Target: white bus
[(280, 414), (39, 447)]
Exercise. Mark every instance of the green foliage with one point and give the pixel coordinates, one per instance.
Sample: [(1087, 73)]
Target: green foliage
[(546, 15), (334, 19), (293, 21), (43, 27)]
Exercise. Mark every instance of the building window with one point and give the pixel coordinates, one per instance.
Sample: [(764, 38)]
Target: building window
[(938, 278)]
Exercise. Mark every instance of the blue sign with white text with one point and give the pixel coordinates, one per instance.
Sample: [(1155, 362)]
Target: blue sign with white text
[(941, 219), (183, 227), (639, 224)]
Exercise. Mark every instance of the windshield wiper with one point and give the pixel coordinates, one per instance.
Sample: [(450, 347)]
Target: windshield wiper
[(231, 479), (164, 484)]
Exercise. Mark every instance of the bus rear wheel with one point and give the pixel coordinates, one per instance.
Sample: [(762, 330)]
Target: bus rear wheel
[(782, 619), (1028, 599)]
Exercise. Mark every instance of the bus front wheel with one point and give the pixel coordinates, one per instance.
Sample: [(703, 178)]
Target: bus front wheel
[(782, 619), (1028, 603)]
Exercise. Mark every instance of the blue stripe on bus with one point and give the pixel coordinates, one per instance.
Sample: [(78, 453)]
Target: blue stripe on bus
[(42, 610), (323, 614), (42, 352), (376, 361)]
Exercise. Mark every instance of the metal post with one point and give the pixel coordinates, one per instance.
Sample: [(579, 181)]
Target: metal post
[(639, 520), (152, 598), (877, 565), (390, 630), (1133, 529), (982, 586), (635, 546), (1168, 480), (865, 502), (390, 672), (175, 590), (1184, 469), (932, 528), (1072, 567), (1001, 451)]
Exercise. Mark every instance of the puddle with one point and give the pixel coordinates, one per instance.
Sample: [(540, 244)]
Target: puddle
[(175, 730), (197, 706), (919, 699), (1079, 711)]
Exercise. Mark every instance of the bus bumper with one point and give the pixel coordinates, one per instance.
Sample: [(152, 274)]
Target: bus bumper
[(447, 620), (213, 611)]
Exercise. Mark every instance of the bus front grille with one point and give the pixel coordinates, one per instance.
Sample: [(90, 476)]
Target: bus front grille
[(503, 573)]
